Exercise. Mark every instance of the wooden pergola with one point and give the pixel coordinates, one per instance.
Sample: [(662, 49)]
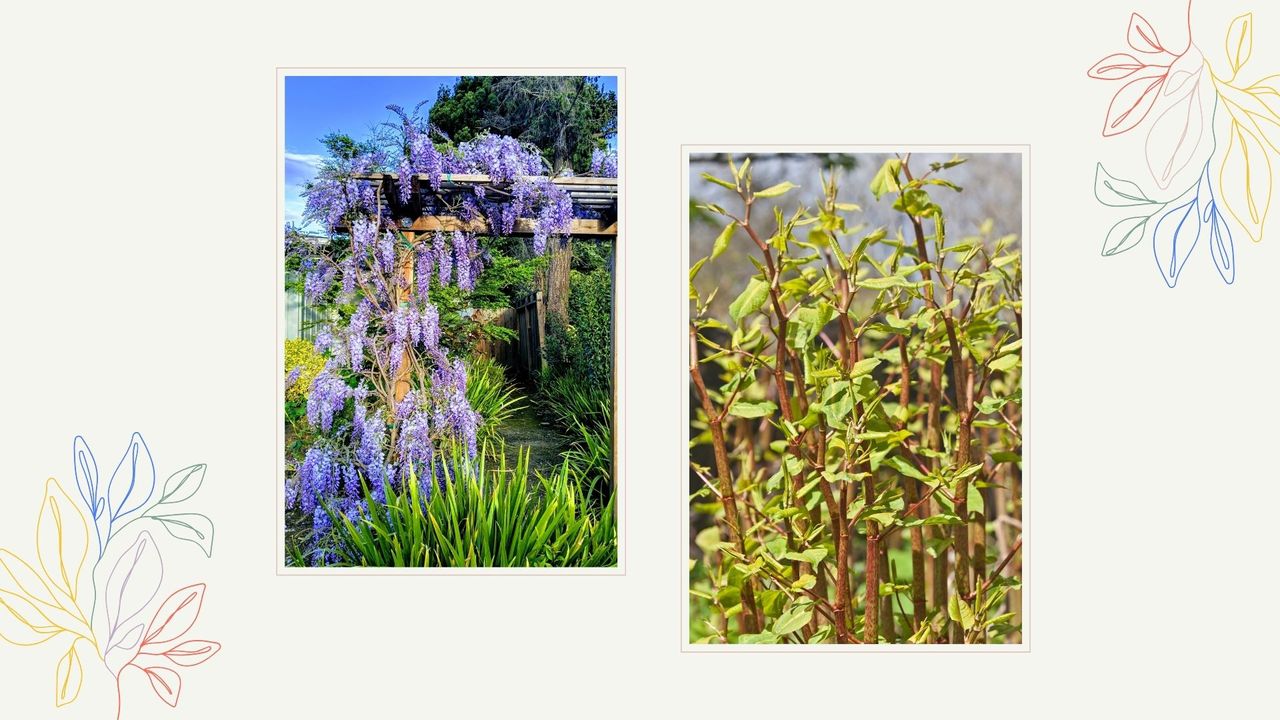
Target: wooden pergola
[(421, 216)]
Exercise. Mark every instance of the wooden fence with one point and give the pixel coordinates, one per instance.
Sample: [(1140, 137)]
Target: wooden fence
[(528, 321)]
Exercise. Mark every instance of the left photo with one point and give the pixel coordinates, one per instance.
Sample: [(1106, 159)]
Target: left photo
[(448, 279)]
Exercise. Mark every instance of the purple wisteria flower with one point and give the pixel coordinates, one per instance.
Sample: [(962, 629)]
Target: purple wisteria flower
[(462, 255), (422, 273), (328, 394), (443, 260)]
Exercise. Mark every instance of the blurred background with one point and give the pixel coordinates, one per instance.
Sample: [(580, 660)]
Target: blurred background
[(991, 189)]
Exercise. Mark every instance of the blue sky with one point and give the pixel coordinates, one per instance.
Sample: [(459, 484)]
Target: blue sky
[(316, 105)]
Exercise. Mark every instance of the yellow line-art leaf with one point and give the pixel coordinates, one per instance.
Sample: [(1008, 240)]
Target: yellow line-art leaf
[(62, 539), (27, 615), (1240, 41), (1245, 180), (17, 576), (68, 677)]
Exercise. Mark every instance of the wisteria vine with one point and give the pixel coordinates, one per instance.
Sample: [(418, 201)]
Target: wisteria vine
[(383, 326)]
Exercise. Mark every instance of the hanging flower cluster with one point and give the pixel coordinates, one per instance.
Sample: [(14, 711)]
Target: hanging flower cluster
[(604, 163)]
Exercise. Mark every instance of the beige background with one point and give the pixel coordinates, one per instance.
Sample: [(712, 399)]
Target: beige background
[(140, 185)]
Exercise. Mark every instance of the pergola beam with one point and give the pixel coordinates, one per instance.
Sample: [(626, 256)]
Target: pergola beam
[(523, 226)]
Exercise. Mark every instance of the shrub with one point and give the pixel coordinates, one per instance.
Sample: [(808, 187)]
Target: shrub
[(584, 346), (301, 355), (859, 407)]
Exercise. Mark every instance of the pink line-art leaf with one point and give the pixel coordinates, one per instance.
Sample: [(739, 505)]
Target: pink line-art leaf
[(166, 682), (176, 615), (1142, 36), (192, 652), (1174, 138), (1131, 104), (133, 583), (1116, 66)]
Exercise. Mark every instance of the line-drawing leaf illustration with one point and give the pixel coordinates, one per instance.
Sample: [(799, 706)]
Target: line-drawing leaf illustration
[(46, 599), (1238, 155)]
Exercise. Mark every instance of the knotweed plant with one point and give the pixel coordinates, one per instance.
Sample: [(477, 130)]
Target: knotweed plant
[(861, 405)]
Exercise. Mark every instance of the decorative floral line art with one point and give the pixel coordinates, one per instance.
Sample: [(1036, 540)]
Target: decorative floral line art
[(1190, 93), (53, 602)]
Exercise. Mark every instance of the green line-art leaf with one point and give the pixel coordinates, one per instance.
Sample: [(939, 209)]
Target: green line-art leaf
[(1125, 235), (192, 527), (183, 484), (1111, 190)]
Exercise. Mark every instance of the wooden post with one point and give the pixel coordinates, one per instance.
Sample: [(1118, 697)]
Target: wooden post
[(403, 294)]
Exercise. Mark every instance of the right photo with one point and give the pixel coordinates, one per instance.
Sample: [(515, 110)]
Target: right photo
[(855, 365)]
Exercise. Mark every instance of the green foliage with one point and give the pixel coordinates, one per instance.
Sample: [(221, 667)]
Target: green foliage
[(479, 516), (492, 396), (859, 411), (567, 117), (584, 411), (584, 346), (302, 354)]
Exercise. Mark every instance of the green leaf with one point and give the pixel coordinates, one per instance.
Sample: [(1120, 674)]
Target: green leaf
[(791, 621), (1006, 362), (776, 190), (886, 178), (722, 183), (751, 299), (960, 611), (753, 408), (883, 283), (866, 365), (722, 242), (764, 638), (708, 539), (805, 582)]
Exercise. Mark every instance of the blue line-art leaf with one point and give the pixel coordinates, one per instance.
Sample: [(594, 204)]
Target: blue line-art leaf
[(192, 527), (183, 484), (1113, 191), (1175, 235), (86, 469), (1125, 235), (133, 583), (133, 481), (1218, 233)]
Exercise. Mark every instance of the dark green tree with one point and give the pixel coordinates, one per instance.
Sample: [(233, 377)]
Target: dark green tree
[(565, 116)]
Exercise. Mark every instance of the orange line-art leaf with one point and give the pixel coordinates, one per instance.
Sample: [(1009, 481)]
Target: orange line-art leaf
[(1142, 36), (68, 677), (1245, 180), (1116, 66), (1239, 42), (176, 615), (166, 682), (1131, 104), (192, 652), (62, 539)]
